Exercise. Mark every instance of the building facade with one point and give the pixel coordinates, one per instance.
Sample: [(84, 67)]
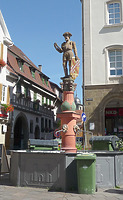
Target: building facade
[(5, 41), (103, 65), (29, 90)]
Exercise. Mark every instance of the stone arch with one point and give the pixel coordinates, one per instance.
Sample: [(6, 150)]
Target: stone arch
[(107, 102), (21, 132)]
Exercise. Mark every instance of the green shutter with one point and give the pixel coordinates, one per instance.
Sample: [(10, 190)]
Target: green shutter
[(0, 92), (33, 74), (47, 82), (42, 100), (35, 96), (42, 80), (25, 92)]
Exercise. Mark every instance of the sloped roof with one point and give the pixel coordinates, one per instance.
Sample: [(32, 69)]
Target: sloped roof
[(6, 38), (11, 70), (12, 55)]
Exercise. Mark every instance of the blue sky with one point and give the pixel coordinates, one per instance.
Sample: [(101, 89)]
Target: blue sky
[(34, 26)]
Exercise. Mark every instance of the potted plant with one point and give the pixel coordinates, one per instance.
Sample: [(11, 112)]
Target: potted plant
[(2, 63), (6, 108)]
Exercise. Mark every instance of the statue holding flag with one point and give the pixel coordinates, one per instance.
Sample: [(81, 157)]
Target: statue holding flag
[(67, 49)]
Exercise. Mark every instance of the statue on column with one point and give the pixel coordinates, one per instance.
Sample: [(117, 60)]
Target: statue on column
[(67, 48)]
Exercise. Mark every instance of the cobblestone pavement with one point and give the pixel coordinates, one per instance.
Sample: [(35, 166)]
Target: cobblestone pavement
[(8, 192)]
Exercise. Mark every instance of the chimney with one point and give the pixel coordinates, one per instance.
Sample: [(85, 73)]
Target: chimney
[(40, 67)]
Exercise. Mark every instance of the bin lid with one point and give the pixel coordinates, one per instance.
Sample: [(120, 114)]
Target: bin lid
[(110, 139), (104, 138), (86, 156)]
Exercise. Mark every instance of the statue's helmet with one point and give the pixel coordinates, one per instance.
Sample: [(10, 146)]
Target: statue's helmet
[(67, 34)]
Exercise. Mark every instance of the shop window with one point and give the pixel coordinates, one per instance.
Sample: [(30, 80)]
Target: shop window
[(114, 121)]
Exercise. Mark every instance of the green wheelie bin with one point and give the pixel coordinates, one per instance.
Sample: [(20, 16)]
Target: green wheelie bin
[(86, 173)]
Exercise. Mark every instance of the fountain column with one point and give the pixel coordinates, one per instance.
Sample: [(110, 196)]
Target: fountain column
[(68, 116)]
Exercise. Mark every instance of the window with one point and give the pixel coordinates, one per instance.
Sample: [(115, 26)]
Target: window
[(37, 120), (31, 126), (114, 13), (49, 123), (46, 101), (47, 83), (46, 126), (3, 93), (27, 92), (49, 101), (33, 73), (115, 62), (42, 100), (35, 96), (42, 80), (20, 64), (18, 88), (42, 124)]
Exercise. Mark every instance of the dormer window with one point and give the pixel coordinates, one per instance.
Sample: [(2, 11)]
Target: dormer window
[(33, 73), (42, 80), (46, 82), (20, 64)]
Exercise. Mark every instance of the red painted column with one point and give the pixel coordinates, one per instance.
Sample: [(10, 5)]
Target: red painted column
[(69, 138), (68, 116)]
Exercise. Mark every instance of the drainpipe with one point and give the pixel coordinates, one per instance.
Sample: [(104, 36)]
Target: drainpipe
[(17, 81)]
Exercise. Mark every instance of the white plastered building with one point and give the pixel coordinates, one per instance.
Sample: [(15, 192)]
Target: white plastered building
[(103, 65)]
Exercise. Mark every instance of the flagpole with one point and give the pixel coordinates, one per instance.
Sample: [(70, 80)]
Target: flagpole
[(83, 71)]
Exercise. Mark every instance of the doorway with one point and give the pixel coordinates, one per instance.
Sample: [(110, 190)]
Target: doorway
[(21, 133)]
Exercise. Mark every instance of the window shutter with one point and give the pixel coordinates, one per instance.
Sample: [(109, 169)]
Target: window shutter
[(35, 96), (8, 95), (25, 92), (1, 53), (0, 92)]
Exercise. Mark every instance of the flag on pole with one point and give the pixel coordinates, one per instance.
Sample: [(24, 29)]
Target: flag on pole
[(74, 70)]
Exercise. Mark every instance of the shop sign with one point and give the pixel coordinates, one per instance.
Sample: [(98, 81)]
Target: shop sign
[(120, 111), (111, 112)]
